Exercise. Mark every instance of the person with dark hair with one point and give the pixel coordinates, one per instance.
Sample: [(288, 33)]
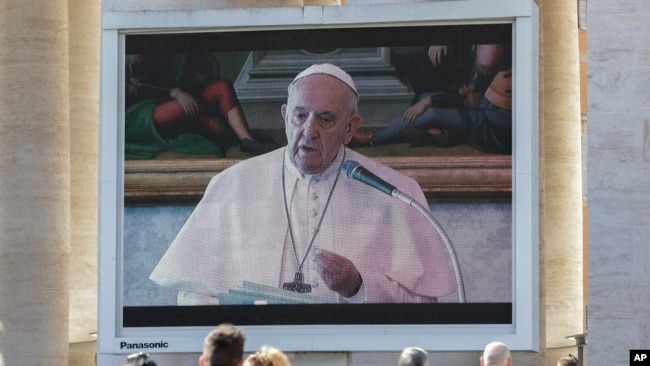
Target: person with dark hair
[(139, 359), (569, 360), (223, 346), (413, 356)]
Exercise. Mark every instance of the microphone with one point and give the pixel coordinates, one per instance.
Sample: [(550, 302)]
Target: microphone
[(356, 171)]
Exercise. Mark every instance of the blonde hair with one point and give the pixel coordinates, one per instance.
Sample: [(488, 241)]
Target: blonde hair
[(267, 356)]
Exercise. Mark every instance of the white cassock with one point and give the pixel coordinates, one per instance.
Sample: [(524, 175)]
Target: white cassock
[(238, 232)]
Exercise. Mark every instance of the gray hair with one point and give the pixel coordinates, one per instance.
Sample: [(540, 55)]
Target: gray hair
[(413, 356)]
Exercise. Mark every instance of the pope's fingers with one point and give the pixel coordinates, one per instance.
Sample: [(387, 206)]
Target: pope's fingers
[(329, 261)]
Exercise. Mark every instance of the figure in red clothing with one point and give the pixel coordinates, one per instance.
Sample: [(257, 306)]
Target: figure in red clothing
[(179, 103)]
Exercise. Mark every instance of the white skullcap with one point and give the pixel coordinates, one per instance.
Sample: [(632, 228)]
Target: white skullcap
[(327, 69)]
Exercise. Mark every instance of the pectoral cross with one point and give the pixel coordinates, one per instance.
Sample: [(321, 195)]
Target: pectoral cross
[(297, 285)]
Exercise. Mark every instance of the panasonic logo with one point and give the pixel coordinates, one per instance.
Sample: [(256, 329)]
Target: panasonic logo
[(150, 345)]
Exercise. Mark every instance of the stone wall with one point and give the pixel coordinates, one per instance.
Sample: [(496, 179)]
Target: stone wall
[(618, 174)]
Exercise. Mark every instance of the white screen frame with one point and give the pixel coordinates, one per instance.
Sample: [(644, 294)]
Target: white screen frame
[(523, 334)]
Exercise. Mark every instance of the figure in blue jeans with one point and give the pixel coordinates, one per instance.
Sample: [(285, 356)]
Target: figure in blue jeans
[(485, 121)]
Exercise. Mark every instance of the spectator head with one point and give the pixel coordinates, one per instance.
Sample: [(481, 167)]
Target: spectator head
[(224, 346), (413, 356), (267, 356), (139, 359), (496, 354)]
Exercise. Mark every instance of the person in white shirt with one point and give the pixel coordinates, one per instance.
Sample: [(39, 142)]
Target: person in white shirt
[(291, 220)]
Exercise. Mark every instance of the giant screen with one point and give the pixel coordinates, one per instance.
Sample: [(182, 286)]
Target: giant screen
[(439, 104)]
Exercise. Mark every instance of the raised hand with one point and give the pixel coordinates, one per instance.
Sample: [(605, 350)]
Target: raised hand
[(339, 273)]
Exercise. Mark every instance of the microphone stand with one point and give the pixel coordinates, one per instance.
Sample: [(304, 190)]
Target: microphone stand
[(460, 286), (356, 171)]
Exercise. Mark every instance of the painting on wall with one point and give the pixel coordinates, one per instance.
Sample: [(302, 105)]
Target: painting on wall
[(196, 104)]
